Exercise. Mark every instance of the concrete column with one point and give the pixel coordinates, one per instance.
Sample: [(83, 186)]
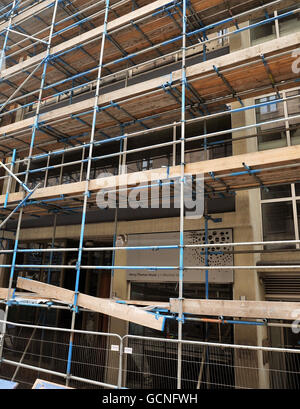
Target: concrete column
[(120, 290), (248, 228), (246, 283)]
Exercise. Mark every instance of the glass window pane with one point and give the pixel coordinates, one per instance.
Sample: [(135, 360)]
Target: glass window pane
[(295, 136), (289, 24), (270, 110), (293, 104), (278, 222), (271, 139), (275, 192), (294, 124), (270, 136), (297, 189)]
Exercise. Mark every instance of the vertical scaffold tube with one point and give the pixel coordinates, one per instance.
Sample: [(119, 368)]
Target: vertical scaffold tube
[(35, 126), (86, 194), (12, 13), (2, 59), (8, 186), (206, 261), (182, 181)]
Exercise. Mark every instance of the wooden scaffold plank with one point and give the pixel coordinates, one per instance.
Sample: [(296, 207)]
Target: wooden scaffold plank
[(232, 164), (103, 306), (238, 309)]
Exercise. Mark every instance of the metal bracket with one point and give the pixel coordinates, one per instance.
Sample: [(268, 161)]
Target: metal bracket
[(251, 172), (221, 76), (270, 75)]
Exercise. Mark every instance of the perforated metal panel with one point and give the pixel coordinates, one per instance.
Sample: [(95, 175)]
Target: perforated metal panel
[(217, 237), (192, 257)]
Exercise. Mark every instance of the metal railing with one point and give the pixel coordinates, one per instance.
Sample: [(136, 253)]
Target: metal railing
[(152, 363), (104, 360), (30, 351)]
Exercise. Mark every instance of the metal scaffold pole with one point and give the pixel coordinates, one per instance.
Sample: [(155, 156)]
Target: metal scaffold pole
[(182, 184), (86, 194), (35, 127), (11, 16)]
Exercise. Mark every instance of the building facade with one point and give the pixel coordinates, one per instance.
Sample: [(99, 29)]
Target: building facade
[(97, 92)]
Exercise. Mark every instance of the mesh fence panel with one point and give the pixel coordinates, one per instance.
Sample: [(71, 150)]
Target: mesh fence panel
[(147, 363), (151, 363), (48, 349)]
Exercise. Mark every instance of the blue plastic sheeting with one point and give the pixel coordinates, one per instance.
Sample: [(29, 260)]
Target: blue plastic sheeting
[(39, 384), (7, 384)]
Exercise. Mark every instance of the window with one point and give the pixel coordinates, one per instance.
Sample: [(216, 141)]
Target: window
[(281, 214), (278, 223), (270, 135), (288, 24), (293, 109), (275, 192), (262, 32), (280, 204), (163, 291), (267, 109), (223, 40), (145, 164), (274, 132)]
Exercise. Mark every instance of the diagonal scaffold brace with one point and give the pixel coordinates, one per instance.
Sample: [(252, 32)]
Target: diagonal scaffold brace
[(23, 202)]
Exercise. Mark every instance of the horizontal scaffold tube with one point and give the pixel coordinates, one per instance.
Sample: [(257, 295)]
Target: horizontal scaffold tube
[(154, 247), (150, 147), (156, 129), (59, 374), (153, 268), (237, 58), (287, 156), (95, 33), (192, 48)]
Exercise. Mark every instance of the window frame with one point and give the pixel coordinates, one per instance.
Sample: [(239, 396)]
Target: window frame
[(294, 198)]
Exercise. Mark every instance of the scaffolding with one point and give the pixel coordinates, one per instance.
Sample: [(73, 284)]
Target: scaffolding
[(86, 88)]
